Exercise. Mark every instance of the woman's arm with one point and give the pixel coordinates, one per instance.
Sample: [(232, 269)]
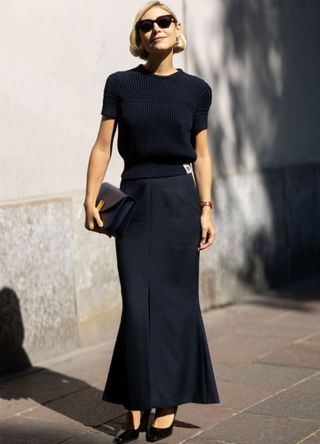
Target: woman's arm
[(98, 163), (202, 168)]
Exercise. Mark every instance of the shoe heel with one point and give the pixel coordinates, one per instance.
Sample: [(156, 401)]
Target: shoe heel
[(144, 420), (124, 435)]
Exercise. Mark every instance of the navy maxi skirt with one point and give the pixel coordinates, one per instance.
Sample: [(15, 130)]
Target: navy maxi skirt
[(161, 356)]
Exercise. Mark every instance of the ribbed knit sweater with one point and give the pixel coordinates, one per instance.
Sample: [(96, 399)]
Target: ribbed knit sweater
[(158, 117)]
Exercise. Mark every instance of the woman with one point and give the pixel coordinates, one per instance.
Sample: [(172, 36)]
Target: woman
[(161, 357)]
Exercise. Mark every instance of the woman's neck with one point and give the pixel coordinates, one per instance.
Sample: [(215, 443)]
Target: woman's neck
[(163, 67)]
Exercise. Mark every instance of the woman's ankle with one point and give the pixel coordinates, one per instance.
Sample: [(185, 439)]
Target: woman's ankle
[(133, 418), (163, 417)]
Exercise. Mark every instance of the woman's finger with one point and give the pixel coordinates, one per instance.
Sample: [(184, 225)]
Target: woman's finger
[(211, 237), (91, 215), (203, 240), (212, 234), (89, 222), (97, 217), (204, 235)]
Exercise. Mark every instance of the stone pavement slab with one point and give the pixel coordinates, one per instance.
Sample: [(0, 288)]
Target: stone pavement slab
[(257, 429), (20, 430), (266, 358), (300, 400), (302, 354)]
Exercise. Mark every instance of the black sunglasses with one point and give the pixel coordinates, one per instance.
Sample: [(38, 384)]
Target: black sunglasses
[(164, 21)]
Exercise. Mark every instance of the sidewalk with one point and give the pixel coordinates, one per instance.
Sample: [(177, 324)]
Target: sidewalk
[(266, 358)]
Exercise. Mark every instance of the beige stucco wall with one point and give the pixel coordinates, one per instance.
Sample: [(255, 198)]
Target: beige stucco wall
[(56, 57)]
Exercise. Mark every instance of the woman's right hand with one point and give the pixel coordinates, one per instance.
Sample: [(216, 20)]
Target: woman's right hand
[(91, 214)]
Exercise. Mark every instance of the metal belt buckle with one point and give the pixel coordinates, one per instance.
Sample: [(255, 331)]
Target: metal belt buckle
[(187, 167)]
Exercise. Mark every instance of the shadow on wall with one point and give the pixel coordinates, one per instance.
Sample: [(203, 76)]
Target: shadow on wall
[(12, 355), (264, 74)]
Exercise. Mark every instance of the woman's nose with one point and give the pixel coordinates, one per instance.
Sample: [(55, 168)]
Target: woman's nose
[(156, 27)]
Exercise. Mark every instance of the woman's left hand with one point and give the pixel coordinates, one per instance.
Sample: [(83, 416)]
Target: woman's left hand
[(208, 233)]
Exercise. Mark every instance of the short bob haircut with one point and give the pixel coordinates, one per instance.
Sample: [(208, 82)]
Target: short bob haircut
[(136, 48)]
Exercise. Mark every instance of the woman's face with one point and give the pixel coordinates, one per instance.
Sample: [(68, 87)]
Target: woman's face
[(158, 39)]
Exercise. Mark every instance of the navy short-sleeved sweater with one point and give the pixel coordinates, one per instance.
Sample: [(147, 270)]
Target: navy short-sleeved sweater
[(158, 117)]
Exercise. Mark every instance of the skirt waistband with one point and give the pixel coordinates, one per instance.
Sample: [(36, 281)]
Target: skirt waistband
[(152, 169)]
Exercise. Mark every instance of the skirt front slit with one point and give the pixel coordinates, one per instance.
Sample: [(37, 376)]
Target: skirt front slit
[(161, 356)]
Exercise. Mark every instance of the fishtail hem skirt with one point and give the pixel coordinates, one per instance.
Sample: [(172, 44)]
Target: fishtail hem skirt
[(161, 356)]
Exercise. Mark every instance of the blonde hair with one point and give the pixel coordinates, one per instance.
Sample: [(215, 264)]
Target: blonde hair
[(136, 48)]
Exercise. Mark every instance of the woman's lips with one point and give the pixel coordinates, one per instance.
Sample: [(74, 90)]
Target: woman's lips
[(157, 38)]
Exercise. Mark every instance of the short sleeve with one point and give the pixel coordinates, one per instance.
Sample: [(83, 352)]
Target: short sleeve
[(200, 119), (110, 97)]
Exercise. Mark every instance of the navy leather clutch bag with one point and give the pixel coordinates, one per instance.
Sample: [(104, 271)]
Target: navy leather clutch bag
[(115, 208)]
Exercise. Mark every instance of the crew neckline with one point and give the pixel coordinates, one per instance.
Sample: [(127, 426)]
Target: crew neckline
[(152, 74)]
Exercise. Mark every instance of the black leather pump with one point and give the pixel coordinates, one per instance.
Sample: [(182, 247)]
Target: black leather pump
[(126, 435), (155, 433)]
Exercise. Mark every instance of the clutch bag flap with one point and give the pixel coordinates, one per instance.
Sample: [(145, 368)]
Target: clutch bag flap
[(115, 208), (110, 195)]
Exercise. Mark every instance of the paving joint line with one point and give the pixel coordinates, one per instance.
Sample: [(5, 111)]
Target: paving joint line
[(280, 391), (256, 403), (309, 436), (305, 338)]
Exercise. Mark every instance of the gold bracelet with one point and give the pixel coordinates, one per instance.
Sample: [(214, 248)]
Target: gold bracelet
[(205, 203)]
